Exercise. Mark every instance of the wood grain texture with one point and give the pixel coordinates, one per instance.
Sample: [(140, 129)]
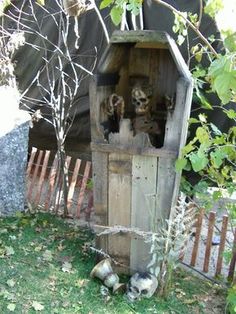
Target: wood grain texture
[(96, 97), (100, 193), (143, 209), (119, 204)]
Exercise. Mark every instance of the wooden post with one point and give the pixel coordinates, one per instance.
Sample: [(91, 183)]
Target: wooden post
[(210, 231), (31, 160), (42, 177), (197, 237), (33, 180), (222, 244), (233, 260), (51, 179), (83, 186), (73, 183)]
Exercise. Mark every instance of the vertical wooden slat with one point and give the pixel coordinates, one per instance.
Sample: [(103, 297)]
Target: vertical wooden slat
[(60, 186), (197, 237), (100, 195), (222, 244), (51, 179), (143, 207), (31, 160), (211, 223), (233, 260), (73, 183), (30, 190), (42, 176), (83, 186), (119, 204)]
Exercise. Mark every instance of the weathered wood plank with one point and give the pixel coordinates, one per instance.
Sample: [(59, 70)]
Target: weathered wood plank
[(133, 150), (138, 36), (210, 231), (175, 137), (119, 203), (143, 209), (223, 236), (100, 193), (96, 97), (42, 177)]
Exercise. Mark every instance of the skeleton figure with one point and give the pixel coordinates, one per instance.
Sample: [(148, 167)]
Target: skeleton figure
[(141, 285), (141, 100), (113, 109)]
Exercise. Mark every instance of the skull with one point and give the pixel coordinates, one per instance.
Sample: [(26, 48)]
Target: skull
[(141, 285), (140, 101)]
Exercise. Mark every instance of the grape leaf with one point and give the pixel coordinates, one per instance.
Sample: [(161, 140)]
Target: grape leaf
[(180, 164), (116, 15), (198, 163), (105, 4)]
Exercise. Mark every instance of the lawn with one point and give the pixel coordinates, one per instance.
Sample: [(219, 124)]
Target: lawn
[(45, 266)]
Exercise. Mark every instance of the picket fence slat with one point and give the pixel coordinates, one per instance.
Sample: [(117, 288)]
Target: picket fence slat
[(73, 183), (47, 190), (35, 173), (222, 245), (52, 179), (197, 237), (83, 186), (42, 177), (233, 260), (31, 161), (210, 231)]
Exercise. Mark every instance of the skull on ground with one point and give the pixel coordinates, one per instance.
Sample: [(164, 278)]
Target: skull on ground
[(141, 285)]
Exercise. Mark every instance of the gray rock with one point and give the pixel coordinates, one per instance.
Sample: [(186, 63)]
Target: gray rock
[(13, 161)]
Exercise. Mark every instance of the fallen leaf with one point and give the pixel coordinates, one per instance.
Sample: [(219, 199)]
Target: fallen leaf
[(11, 307), (11, 283), (3, 231), (9, 250), (37, 306), (66, 267), (47, 256)]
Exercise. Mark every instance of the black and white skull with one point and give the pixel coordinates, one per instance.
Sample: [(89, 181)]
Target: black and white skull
[(141, 285), (140, 101)]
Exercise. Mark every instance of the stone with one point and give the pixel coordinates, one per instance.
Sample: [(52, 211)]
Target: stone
[(14, 132)]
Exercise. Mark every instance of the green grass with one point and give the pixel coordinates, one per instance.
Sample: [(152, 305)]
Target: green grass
[(45, 268)]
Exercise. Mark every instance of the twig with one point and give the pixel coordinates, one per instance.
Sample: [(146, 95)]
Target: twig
[(194, 28)]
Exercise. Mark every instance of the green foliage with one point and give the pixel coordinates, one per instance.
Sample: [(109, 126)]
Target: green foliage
[(231, 299), (222, 75), (117, 8), (180, 27), (212, 7), (3, 5)]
